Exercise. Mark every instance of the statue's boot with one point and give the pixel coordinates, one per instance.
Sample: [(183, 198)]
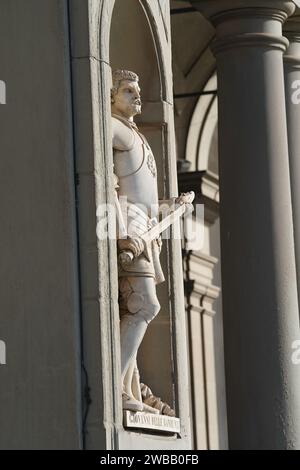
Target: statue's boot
[(149, 409), (155, 402), (131, 404)]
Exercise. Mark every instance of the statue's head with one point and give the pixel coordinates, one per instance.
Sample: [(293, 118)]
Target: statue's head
[(125, 94)]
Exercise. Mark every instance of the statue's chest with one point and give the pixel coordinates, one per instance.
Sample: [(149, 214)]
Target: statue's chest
[(137, 161)]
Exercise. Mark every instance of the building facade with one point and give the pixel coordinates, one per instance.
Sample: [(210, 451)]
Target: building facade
[(219, 82)]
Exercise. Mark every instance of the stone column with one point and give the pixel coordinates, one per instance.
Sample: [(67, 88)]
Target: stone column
[(292, 90), (258, 261)]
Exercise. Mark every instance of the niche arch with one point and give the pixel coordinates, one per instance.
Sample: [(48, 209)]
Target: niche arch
[(133, 47)]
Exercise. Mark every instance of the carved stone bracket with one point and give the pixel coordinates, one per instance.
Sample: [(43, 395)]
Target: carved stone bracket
[(198, 269)]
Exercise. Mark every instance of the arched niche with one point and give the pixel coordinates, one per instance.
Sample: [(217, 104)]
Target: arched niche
[(133, 47), (98, 31)]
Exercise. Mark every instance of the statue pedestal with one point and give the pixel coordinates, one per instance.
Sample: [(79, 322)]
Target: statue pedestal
[(150, 421)]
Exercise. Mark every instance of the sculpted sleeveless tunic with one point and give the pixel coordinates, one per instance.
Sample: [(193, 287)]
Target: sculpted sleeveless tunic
[(135, 167)]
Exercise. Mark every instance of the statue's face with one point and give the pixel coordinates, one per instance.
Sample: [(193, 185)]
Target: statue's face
[(127, 101)]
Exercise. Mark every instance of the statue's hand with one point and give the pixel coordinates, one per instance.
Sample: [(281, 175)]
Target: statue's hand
[(135, 245), (185, 198)]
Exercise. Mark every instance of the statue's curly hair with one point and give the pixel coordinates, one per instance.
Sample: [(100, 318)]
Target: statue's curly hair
[(118, 76)]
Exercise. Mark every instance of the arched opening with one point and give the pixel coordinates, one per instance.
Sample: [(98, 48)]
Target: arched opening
[(202, 139), (206, 326)]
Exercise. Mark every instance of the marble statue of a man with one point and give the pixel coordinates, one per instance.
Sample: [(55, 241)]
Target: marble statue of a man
[(136, 181)]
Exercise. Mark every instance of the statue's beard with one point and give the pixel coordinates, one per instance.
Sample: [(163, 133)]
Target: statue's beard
[(136, 108)]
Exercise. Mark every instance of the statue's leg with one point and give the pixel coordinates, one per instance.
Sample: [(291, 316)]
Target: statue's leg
[(128, 381), (131, 401), (138, 295), (142, 306), (135, 382)]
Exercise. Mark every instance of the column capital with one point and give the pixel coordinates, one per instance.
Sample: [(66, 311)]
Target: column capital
[(213, 8), (247, 23)]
